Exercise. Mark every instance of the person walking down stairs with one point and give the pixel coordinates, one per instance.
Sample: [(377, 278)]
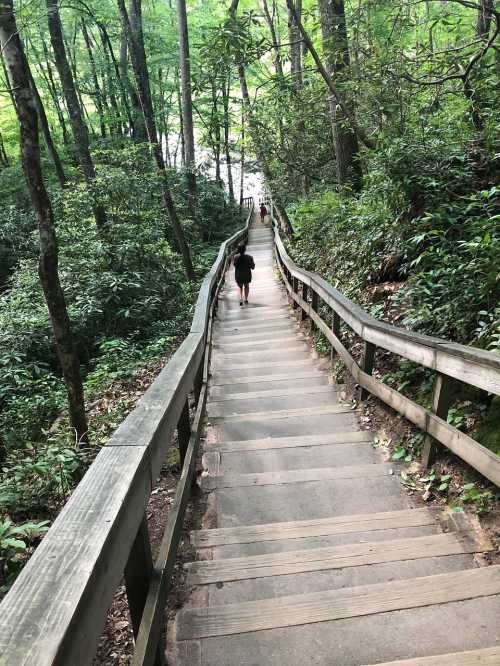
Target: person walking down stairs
[(243, 265)]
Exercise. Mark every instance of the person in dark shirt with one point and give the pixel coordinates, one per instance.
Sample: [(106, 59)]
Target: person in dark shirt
[(263, 212), (243, 266)]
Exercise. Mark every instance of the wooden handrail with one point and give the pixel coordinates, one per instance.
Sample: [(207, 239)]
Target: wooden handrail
[(56, 610), (452, 362)]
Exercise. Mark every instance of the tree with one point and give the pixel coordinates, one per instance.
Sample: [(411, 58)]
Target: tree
[(337, 94), (132, 27), (294, 17), (187, 102), (19, 76), (336, 50), (80, 132)]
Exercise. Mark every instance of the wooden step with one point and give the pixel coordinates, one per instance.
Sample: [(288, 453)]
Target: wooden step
[(302, 529), (236, 347), (219, 366), (301, 441), (486, 657), (296, 476), (276, 393), (285, 413), (336, 557), (291, 347), (289, 611), (220, 379)]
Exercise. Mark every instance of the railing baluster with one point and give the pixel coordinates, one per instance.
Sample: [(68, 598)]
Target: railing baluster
[(336, 332), (138, 572), (305, 292), (295, 288), (184, 431), (314, 307), (442, 397), (367, 365)]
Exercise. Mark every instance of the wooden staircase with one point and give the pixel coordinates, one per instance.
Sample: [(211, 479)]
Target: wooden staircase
[(311, 552)]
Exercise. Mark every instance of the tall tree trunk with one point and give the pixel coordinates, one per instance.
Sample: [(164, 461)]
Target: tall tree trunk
[(80, 133), (138, 125), (242, 156), (215, 135), (181, 124), (133, 29), (109, 89), (95, 80), (261, 153), (187, 102), (106, 41), (328, 79), (56, 160), (48, 261), (52, 88), (484, 18), (295, 45), (4, 160), (226, 92), (336, 49), (275, 43)]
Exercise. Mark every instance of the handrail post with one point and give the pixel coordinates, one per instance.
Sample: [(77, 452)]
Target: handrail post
[(137, 574), (335, 331), (367, 365), (305, 292), (184, 431), (314, 307), (442, 397), (295, 289)]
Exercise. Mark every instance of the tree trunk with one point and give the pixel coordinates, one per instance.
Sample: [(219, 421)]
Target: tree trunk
[(242, 156), (56, 160), (215, 135), (484, 19), (187, 103), (336, 50), (138, 125), (226, 92), (261, 153), (295, 45), (133, 29), (97, 88), (327, 77), (48, 262), (80, 133), (51, 86), (118, 75), (275, 43), (4, 160)]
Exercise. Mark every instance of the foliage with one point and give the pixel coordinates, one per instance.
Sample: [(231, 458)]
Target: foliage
[(14, 543)]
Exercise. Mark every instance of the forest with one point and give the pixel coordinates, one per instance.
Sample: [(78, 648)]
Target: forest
[(128, 135)]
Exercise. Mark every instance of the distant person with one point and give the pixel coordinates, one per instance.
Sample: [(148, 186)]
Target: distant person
[(263, 212), (243, 266)]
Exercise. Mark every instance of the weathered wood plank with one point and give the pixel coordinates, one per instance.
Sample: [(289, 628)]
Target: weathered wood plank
[(336, 557), (301, 529), (285, 413), (486, 657), (268, 443), (297, 476), (277, 393), (337, 604), (221, 379)]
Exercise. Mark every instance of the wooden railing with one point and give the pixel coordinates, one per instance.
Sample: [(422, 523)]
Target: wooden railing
[(247, 202), (452, 362), (56, 609)]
